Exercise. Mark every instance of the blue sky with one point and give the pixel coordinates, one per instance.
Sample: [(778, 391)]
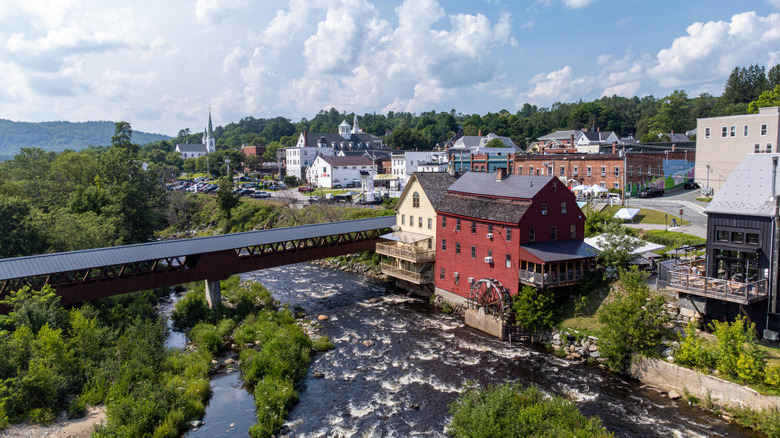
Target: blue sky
[(161, 65)]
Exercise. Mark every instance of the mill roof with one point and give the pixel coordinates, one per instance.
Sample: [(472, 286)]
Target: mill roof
[(512, 186), (485, 209), (434, 184)]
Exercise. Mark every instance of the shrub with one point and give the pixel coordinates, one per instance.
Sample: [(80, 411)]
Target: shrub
[(323, 343), (447, 307), (634, 322), (190, 310), (772, 376), (534, 309), (273, 398), (731, 338), (206, 337), (691, 352), (509, 411)]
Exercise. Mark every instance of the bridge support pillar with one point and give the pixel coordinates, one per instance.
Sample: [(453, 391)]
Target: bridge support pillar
[(213, 294)]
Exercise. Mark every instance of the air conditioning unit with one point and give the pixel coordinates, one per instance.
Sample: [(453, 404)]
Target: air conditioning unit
[(456, 274), (489, 260), (489, 235), (471, 280), (770, 335)]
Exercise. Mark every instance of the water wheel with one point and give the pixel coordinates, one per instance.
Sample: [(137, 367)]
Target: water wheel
[(492, 296)]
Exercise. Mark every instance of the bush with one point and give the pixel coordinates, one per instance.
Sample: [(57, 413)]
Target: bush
[(691, 352), (731, 338), (772, 376), (273, 398), (323, 343), (509, 411), (206, 336), (634, 322), (190, 310), (534, 309)]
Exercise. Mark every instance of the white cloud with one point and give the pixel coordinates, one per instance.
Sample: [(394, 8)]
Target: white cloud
[(576, 4), (211, 12), (774, 3), (558, 85), (714, 48)]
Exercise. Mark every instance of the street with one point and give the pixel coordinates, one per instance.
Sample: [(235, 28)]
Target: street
[(693, 211)]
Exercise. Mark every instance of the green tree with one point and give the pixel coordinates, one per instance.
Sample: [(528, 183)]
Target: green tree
[(18, 235), (495, 143), (633, 322), (675, 114), (617, 247), (123, 136), (226, 199), (534, 309), (773, 76), (766, 99)]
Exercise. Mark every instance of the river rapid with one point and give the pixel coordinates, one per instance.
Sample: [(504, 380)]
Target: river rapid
[(403, 384)]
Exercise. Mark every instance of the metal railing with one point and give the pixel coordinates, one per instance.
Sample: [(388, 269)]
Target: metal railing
[(406, 252), (682, 280), (410, 276), (551, 279)]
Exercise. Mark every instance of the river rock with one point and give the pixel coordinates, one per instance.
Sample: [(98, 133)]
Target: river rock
[(668, 352), (674, 395), (576, 356), (318, 375), (595, 354), (196, 423), (322, 318), (593, 347), (368, 343), (230, 361), (557, 336)]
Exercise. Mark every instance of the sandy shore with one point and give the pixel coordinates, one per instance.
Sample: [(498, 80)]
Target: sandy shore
[(78, 428)]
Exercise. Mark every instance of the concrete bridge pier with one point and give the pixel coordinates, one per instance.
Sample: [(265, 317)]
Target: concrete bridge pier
[(213, 294)]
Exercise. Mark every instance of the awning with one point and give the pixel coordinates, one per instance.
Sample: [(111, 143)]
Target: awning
[(561, 250), (405, 237)]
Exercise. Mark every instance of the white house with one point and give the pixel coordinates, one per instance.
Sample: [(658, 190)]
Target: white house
[(332, 172), (206, 146), (405, 163), (590, 142), (313, 144)]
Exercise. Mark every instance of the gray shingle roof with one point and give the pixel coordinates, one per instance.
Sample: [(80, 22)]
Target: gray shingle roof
[(192, 148), (368, 141), (499, 211), (512, 186), (435, 185), (21, 267), (748, 190), (560, 135), (561, 250)]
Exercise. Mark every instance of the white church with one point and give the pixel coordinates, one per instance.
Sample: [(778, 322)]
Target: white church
[(207, 145)]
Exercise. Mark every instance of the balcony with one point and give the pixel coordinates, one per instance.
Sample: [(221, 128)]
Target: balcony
[(410, 276), (406, 252), (682, 280), (543, 280)]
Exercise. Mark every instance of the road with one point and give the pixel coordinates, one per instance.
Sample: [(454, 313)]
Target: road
[(693, 210)]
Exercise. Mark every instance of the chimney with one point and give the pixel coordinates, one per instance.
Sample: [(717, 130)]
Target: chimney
[(673, 145), (480, 133), (499, 174), (614, 146), (571, 141), (305, 139), (598, 128)]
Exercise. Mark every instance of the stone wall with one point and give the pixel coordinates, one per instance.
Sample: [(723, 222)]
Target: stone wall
[(670, 377)]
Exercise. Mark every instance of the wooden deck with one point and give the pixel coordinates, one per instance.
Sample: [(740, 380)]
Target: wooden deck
[(682, 280)]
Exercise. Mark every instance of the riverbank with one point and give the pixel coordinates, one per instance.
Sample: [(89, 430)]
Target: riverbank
[(62, 428)]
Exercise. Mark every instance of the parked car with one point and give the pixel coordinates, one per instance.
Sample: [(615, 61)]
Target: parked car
[(330, 197), (260, 195), (651, 192), (691, 184), (305, 189), (314, 198)]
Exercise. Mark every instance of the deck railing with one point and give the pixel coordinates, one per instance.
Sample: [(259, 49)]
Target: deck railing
[(406, 252), (551, 279), (682, 280), (410, 276)]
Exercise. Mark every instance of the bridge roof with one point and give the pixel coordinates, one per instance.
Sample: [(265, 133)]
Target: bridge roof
[(45, 264)]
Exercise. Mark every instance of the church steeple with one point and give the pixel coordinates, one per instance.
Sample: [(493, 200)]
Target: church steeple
[(208, 137), (210, 130), (355, 127)]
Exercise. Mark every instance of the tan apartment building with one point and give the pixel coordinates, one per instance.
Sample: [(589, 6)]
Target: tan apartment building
[(410, 251), (722, 143)]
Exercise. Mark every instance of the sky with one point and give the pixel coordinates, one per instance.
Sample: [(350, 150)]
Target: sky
[(162, 64)]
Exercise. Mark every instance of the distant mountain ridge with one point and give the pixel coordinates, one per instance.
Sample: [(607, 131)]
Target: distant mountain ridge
[(58, 136)]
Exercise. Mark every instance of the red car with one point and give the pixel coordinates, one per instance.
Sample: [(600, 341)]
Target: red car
[(306, 189)]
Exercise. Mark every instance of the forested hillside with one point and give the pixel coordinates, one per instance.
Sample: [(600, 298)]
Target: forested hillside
[(58, 136)]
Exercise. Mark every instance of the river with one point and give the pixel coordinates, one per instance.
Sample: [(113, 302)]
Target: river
[(402, 386)]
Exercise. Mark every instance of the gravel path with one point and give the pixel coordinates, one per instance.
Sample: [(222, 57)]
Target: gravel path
[(78, 428)]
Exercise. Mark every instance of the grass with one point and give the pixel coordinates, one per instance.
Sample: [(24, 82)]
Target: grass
[(706, 199), (648, 216)]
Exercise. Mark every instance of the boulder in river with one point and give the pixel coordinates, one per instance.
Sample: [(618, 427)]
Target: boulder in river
[(323, 317), (368, 343)]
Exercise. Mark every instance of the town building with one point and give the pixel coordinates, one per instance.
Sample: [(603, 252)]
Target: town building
[(410, 253), (556, 142), (514, 230), (735, 277), (627, 172), (722, 143), (206, 146), (591, 142), (337, 172), (310, 145), (479, 141)]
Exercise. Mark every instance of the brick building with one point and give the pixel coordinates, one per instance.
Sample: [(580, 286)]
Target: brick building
[(514, 229), (631, 171)]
